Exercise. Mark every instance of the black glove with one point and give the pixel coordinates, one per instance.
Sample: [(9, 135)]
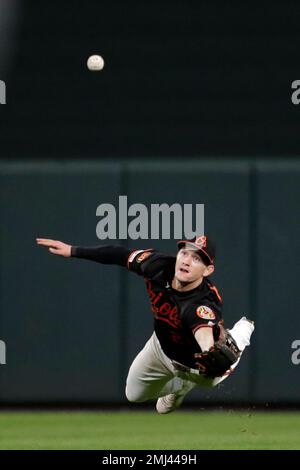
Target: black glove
[(219, 358)]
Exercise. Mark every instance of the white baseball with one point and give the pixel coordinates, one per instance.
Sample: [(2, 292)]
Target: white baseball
[(95, 63)]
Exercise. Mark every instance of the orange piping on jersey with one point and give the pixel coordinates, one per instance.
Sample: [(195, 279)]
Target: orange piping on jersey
[(217, 292), (132, 251), (137, 251)]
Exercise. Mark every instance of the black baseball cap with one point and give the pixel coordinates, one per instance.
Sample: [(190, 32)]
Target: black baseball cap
[(203, 245)]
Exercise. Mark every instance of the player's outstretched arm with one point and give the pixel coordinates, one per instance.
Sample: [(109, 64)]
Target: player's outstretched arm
[(104, 254), (55, 246)]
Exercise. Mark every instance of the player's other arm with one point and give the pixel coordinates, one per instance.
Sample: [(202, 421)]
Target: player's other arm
[(204, 337), (201, 319), (105, 254), (216, 357)]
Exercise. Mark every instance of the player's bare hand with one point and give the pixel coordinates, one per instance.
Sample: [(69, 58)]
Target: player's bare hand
[(55, 246)]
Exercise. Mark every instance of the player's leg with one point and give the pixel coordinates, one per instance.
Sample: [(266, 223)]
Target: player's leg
[(151, 374), (170, 399)]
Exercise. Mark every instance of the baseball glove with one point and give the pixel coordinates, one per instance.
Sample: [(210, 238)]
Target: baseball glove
[(219, 358)]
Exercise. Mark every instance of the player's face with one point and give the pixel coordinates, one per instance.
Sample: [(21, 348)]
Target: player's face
[(190, 267)]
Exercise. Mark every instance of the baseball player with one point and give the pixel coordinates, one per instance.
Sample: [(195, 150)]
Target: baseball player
[(190, 345)]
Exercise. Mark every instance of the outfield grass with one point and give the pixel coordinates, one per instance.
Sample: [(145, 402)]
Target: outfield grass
[(148, 430)]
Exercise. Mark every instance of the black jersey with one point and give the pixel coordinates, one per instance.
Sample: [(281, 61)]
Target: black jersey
[(177, 315)]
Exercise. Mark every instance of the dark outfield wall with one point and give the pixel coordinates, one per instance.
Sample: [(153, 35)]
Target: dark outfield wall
[(72, 327), (180, 78)]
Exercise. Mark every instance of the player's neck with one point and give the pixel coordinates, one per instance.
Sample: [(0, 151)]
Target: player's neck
[(185, 286)]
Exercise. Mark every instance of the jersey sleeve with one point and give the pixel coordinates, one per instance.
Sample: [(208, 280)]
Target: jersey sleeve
[(149, 263), (105, 254), (204, 314)]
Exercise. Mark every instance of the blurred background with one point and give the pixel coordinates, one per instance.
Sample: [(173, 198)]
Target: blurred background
[(193, 106)]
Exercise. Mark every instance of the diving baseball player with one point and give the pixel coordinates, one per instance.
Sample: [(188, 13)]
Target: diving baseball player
[(190, 345)]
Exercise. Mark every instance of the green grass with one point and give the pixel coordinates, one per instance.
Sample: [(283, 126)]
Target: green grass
[(147, 430)]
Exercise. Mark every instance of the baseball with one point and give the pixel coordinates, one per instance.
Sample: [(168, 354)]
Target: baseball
[(95, 63)]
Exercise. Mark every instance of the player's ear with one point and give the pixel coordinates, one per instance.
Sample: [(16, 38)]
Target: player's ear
[(209, 270)]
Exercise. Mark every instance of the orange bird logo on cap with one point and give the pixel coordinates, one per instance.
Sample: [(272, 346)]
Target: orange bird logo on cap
[(201, 241)]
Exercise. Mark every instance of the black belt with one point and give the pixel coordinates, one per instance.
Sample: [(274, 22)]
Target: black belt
[(183, 368)]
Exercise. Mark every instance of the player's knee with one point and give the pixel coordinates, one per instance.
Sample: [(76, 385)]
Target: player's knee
[(134, 396)]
